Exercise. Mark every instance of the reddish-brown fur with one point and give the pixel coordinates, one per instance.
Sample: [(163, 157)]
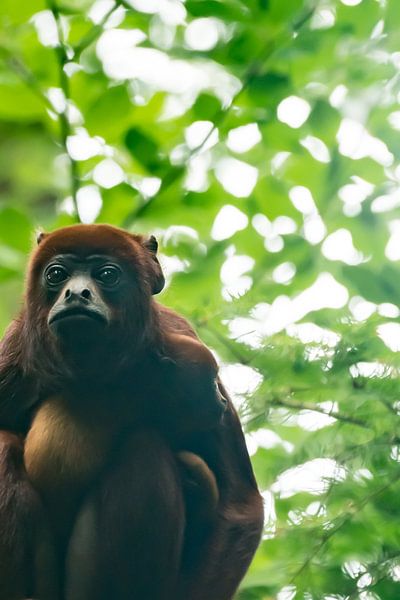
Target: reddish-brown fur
[(139, 530)]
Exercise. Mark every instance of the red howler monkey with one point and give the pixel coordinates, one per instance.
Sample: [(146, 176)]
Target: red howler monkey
[(109, 387)]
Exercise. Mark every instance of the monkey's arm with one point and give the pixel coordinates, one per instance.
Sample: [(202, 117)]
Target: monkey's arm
[(27, 565), (189, 398), (214, 567), (184, 378), (18, 391)]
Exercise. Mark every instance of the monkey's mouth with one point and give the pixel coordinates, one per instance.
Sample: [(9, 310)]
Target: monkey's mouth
[(77, 314)]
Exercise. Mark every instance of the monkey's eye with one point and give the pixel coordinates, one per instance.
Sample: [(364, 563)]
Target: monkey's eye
[(108, 275), (56, 274)]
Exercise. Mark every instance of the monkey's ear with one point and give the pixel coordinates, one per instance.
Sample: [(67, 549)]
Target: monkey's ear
[(157, 279), (40, 236), (151, 244)]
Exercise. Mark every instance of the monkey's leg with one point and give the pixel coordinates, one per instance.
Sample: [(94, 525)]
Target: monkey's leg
[(128, 537), (225, 554)]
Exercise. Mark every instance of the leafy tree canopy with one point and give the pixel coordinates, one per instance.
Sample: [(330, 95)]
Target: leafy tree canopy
[(259, 140)]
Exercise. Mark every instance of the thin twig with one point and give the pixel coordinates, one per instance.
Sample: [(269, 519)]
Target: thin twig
[(354, 509), (287, 403), (94, 32), (253, 71), (375, 570), (65, 129), (232, 349), (27, 77)]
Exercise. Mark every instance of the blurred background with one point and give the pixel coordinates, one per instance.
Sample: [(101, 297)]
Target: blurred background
[(259, 141)]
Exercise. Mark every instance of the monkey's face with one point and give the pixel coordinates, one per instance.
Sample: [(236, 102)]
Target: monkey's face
[(84, 294), (89, 288)]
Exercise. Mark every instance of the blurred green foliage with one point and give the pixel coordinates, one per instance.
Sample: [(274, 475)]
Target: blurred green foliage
[(129, 113)]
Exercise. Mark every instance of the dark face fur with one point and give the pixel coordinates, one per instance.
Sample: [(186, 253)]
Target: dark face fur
[(85, 294)]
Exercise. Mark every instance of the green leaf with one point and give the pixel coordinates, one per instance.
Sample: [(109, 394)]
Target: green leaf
[(114, 101), (143, 148), (19, 103), (227, 10), (14, 13), (15, 230), (206, 107)]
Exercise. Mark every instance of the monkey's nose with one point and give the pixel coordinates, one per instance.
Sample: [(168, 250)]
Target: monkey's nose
[(86, 293), (73, 294)]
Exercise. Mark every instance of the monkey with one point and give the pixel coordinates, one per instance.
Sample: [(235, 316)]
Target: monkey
[(123, 411), (64, 447)]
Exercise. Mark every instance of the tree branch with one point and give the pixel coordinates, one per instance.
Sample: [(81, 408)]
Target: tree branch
[(288, 403), (27, 77), (65, 129), (281, 40), (376, 571), (353, 509), (95, 31)]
